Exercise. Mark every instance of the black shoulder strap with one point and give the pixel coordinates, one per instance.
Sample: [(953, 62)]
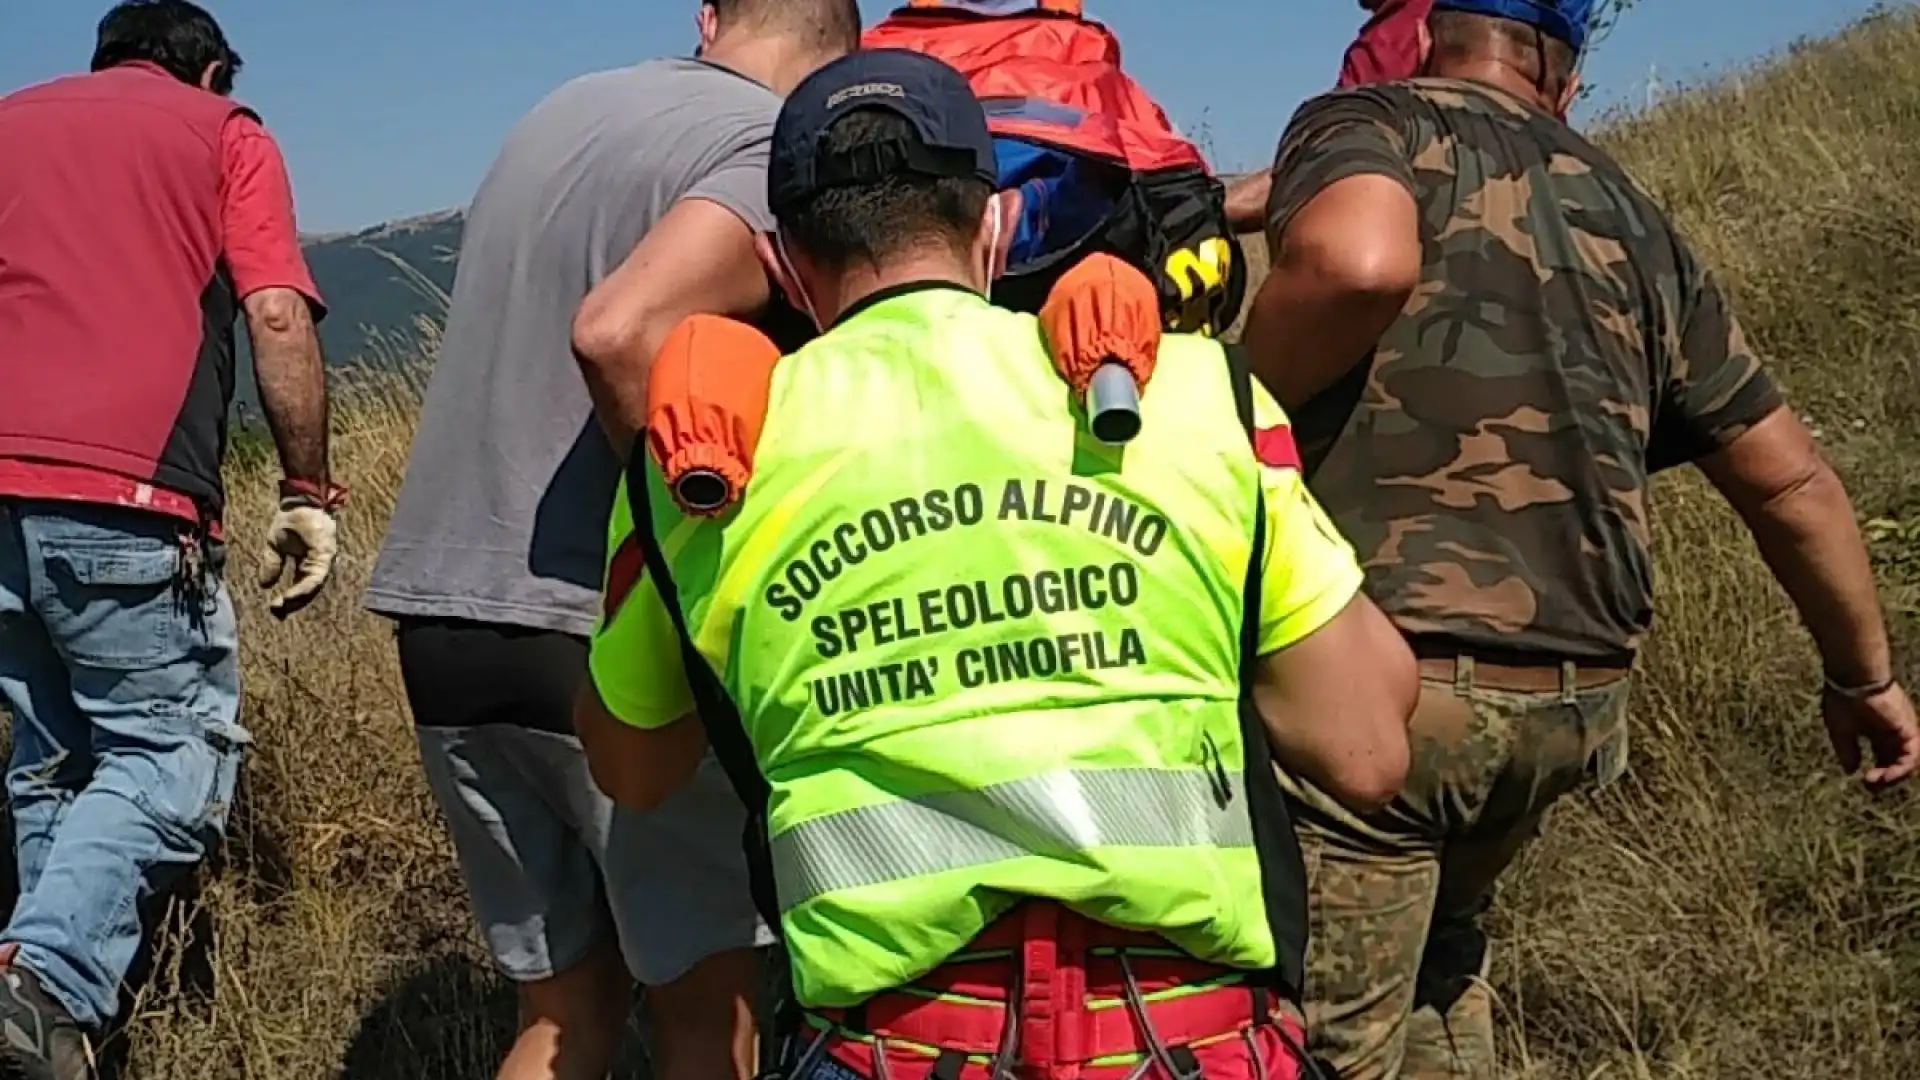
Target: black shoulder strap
[(1283, 870), (1242, 379), (728, 736), (725, 731)]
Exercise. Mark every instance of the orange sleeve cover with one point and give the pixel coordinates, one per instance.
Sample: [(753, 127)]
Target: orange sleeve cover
[(706, 404), (1103, 310)]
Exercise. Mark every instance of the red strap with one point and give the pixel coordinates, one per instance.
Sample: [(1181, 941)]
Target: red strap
[(1041, 1004), (976, 1029), (1223, 1058), (1052, 948), (321, 495)]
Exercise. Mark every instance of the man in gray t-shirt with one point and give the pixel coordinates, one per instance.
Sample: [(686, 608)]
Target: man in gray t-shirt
[(653, 179)]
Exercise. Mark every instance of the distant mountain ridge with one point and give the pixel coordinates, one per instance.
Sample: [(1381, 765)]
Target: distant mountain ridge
[(377, 283)]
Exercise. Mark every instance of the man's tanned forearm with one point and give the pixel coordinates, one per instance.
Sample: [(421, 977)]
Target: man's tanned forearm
[(637, 768), (1804, 525), (292, 380), (1810, 540)]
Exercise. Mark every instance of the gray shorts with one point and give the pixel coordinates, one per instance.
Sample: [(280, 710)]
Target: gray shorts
[(553, 866)]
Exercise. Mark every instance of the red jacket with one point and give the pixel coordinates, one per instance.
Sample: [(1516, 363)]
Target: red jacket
[(1388, 47), (118, 246)]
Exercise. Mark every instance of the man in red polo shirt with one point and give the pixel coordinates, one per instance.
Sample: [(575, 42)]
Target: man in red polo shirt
[(1387, 49), (149, 213)]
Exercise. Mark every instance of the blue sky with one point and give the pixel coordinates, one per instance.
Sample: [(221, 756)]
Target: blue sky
[(394, 107)]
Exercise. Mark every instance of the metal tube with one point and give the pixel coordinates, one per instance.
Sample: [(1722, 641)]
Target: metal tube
[(1113, 404), (702, 489)]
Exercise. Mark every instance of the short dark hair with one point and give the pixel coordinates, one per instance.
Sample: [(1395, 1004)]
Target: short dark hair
[(871, 223), (1460, 35), (826, 26), (178, 36)]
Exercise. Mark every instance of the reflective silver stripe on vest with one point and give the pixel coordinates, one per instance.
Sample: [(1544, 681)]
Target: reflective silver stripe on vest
[(1058, 816)]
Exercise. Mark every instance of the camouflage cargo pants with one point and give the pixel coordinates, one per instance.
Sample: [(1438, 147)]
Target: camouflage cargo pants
[(1397, 963)]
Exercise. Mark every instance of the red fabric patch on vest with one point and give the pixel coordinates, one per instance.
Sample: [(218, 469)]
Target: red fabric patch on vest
[(1275, 448), (624, 571)]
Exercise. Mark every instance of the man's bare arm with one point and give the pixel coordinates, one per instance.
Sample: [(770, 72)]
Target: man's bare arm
[(698, 259), (1342, 272), (1803, 522), (1337, 704), (292, 380), (639, 768), (1247, 202)]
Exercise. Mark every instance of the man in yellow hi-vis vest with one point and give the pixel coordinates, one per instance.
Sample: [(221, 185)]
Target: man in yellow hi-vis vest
[(1003, 700)]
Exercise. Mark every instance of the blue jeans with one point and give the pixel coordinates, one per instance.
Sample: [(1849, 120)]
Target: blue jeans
[(119, 660)]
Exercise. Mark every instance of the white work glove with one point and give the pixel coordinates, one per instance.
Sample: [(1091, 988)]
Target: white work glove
[(301, 544)]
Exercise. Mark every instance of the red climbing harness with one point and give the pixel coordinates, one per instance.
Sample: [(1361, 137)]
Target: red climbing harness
[(1088, 1002)]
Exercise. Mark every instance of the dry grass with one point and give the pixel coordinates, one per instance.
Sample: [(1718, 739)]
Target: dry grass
[(1734, 909)]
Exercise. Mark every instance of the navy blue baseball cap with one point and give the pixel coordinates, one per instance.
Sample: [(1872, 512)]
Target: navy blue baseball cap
[(1568, 20), (954, 141)]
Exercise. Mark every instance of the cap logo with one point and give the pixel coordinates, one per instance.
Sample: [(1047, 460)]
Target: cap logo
[(872, 89)]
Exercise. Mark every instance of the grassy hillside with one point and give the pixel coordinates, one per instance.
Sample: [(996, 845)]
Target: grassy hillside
[(1733, 910)]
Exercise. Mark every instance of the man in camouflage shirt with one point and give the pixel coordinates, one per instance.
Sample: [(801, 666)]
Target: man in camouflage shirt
[(1489, 338)]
